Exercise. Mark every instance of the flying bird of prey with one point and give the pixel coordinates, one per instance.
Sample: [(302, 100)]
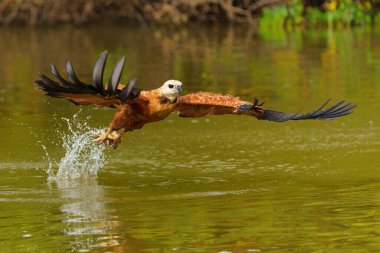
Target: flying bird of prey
[(137, 107)]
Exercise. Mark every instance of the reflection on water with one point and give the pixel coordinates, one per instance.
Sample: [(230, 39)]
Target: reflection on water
[(86, 218), (230, 184)]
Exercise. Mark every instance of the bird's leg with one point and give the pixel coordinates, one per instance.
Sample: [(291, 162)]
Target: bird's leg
[(110, 135)]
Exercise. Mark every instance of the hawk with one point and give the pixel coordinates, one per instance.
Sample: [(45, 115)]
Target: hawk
[(138, 107)]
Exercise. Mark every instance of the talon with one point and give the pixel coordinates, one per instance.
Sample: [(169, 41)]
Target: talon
[(102, 137), (112, 136), (112, 139)]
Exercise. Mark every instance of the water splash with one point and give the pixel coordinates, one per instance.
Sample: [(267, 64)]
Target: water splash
[(50, 168), (82, 158)]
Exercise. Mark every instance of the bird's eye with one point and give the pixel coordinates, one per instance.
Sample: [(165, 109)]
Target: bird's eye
[(171, 86)]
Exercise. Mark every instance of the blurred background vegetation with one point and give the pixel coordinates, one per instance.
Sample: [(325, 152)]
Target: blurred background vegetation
[(316, 13)]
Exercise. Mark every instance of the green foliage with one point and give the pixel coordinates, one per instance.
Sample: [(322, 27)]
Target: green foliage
[(274, 17), (332, 13), (295, 10), (282, 15)]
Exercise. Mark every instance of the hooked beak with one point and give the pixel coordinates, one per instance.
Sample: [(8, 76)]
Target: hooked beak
[(179, 90)]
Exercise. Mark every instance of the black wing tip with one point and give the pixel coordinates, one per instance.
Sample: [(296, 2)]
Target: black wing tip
[(60, 86), (50, 89), (115, 77), (98, 71), (277, 116), (338, 110), (129, 92), (73, 85)]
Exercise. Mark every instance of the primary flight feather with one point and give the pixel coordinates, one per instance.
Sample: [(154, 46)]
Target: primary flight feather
[(137, 107)]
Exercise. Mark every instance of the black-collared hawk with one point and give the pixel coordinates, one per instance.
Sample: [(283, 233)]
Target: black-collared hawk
[(137, 107)]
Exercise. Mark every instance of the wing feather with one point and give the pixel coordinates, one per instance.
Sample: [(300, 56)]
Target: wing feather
[(80, 93), (202, 104)]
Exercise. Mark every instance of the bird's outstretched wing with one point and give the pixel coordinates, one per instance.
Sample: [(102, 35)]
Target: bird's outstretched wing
[(97, 93), (202, 104)]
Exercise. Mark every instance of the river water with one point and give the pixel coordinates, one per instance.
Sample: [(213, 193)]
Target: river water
[(216, 184)]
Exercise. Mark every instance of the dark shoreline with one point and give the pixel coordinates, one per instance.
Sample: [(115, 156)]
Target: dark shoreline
[(33, 12), (286, 13)]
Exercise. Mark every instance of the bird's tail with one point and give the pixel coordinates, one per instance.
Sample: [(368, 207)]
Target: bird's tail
[(76, 88), (338, 110)]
